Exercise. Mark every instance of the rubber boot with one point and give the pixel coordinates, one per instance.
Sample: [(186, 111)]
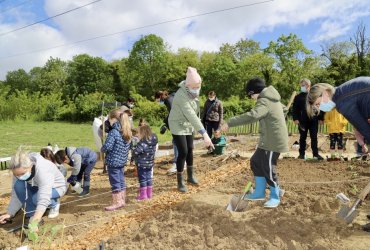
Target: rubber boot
[(123, 196), (191, 177), (260, 188), (274, 200), (116, 202), (149, 192), (86, 189), (180, 183), (142, 194)]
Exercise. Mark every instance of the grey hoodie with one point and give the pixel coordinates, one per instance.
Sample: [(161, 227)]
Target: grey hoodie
[(270, 113), (47, 176)]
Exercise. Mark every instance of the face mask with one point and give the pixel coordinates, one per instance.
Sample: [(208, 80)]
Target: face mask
[(195, 91), (131, 106), (254, 96), (24, 176), (161, 102), (326, 107), (303, 89), (212, 98)]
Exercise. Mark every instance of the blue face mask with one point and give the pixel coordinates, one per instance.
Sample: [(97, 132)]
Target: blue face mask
[(24, 176), (303, 89), (326, 107), (161, 102)]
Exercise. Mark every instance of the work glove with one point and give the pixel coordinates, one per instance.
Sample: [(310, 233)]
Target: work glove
[(207, 141), (72, 178)]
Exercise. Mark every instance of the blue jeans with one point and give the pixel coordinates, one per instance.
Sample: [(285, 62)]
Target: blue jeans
[(116, 179), (145, 176), (28, 194)]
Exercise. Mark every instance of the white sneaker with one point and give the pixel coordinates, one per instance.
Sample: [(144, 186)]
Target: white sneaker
[(172, 170), (54, 211)]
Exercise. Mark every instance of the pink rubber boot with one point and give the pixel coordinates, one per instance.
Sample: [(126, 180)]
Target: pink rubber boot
[(117, 202), (142, 194), (149, 192)]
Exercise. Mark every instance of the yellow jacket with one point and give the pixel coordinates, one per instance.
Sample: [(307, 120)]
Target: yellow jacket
[(335, 121)]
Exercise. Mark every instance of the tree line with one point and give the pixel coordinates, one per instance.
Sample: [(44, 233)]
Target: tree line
[(72, 90)]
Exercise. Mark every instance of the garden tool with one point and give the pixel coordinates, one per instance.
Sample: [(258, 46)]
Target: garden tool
[(348, 214), (238, 204)]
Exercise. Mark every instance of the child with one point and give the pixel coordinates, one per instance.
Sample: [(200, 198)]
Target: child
[(273, 140), (82, 160), (49, 155), (336, 127), (145, 152), (219, 141), (116, 147)]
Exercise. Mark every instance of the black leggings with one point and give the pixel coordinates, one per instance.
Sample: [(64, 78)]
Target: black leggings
[(185, 145)]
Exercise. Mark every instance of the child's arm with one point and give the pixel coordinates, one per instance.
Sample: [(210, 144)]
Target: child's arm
[(256, 114), (139, 148), (109, 142)]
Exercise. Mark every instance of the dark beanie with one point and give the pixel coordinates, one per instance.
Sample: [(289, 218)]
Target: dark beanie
[(255, 86)]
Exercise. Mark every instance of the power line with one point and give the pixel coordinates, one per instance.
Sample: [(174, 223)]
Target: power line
[(133, 29), (46, 19), (16, 6)]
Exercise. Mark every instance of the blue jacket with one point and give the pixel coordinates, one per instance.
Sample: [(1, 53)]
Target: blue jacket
[(116, 148), (352, 100), (80, 157), (145, 152)]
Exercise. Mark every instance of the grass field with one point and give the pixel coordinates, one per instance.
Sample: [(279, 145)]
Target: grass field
[(35, 135)]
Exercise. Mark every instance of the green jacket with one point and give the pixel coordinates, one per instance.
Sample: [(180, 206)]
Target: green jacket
[(270, 113), (183, 118)]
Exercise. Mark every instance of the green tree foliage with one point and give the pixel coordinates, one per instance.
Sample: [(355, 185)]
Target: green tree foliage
[(147, 64), (86, 75), (17, 80), (290, 54)]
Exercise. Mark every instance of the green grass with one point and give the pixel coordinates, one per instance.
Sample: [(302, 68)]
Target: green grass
[(35, 135)]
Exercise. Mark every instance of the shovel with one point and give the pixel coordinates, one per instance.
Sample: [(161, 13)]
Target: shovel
[(238, 204), (348, 214)]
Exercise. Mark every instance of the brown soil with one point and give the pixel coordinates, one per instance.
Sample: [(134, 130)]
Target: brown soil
[(198, 219)]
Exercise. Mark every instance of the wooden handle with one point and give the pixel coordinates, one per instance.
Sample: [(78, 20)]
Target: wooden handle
[(364, 192), (291, 99)]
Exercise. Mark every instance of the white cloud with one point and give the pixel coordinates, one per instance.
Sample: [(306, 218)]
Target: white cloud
[(335, 17)]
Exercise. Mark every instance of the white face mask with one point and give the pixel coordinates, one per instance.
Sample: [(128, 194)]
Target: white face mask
[(327, 106), (255, 96), (303, 89), (211, 98), (194, 91), (25, 176)]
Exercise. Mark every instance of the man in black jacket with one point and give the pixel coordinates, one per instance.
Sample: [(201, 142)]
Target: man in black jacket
[(304, 123)]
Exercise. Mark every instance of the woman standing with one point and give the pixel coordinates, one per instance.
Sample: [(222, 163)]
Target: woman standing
[(183, 120), (37, 184)]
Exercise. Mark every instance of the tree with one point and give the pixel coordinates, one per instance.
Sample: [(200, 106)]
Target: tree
[(362, 45), (290, 54), (86, 75), (240, 50), (17, 80), (339, 62), (147, 64)]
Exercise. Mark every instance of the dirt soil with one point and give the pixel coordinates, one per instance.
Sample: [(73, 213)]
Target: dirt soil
[(306, 218)]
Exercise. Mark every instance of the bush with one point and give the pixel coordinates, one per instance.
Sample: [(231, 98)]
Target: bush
[(89, 106), (152, 112)]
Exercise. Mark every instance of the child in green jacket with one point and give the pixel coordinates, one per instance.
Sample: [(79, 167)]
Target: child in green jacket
[(273, 138)]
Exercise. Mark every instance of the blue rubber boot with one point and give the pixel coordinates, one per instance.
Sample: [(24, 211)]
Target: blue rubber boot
[(274, 200), (259, 192)]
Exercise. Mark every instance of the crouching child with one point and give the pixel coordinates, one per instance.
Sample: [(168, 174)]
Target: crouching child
[(82, 160)]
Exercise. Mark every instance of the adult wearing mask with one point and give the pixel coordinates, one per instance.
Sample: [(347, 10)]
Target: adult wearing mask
[(351, 99), (306, 123), (183, 120), (213, 113), (37, 184)]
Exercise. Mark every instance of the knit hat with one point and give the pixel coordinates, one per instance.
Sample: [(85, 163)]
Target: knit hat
[(193, 79), (255, 86)]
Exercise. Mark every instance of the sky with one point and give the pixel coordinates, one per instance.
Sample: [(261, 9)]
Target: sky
[(108, 28)]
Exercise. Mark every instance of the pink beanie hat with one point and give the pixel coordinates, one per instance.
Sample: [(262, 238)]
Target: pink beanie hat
[(193, 79)]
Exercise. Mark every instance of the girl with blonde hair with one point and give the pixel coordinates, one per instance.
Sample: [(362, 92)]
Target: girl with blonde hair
[(116, 147)]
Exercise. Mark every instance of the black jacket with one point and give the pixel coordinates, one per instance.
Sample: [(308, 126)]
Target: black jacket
[(300, 112)]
